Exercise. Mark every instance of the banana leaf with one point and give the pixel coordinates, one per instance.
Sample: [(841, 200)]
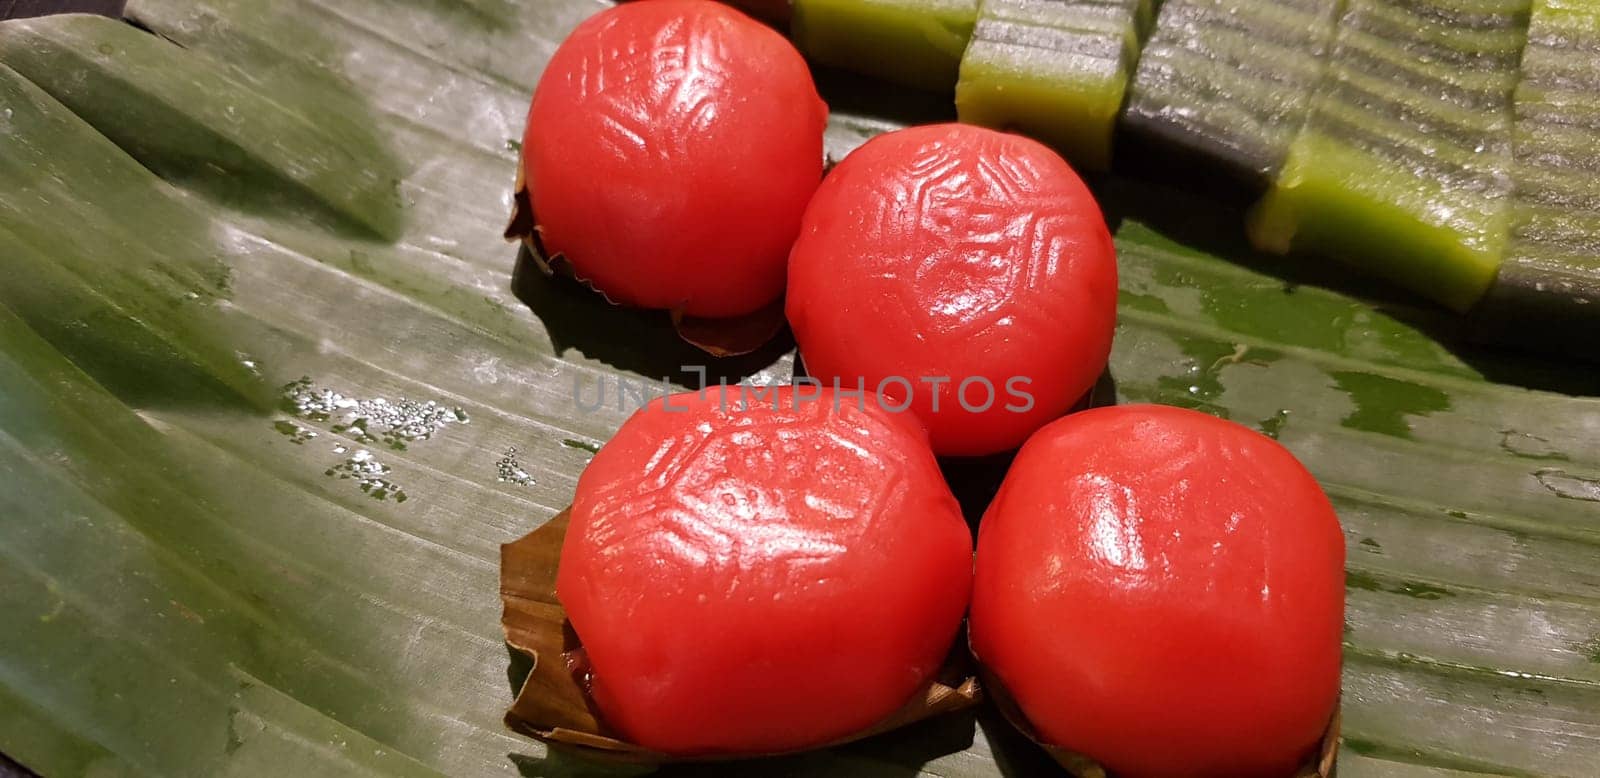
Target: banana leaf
[(273, 391)]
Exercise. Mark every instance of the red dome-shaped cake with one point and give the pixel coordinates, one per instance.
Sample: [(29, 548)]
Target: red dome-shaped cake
[(751, 580), (1163, 591), (671, 148), (965, 272)]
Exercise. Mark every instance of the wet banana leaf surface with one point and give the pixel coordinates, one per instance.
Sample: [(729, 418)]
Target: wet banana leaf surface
[(273, 392)]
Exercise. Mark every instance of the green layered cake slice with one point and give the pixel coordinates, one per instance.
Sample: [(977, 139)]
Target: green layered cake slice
[(1053, 69), (1547, 292), (912, 42), (1403, 166), (1229, 83)]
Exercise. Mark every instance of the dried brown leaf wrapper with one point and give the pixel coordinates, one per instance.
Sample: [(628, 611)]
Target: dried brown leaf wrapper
[(1319, 765), (729, 337), (523, 227), (554, 706), (735, 336)]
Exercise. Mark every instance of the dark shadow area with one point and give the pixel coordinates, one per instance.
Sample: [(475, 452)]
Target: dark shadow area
[(556, 764), (1151, 153), (1212, 224), (21, 9), (1102, 394), (1015, 754), (851, 94), (1517, 363), (901, 752), (920, 743), (799, 370), (517, 669), (975, 480), (140, 25), (631, 339), (9, 768)]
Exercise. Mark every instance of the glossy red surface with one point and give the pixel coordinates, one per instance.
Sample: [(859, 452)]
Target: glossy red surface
[(762, 580), (964, 253), (1163, 591), (671, 148)]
